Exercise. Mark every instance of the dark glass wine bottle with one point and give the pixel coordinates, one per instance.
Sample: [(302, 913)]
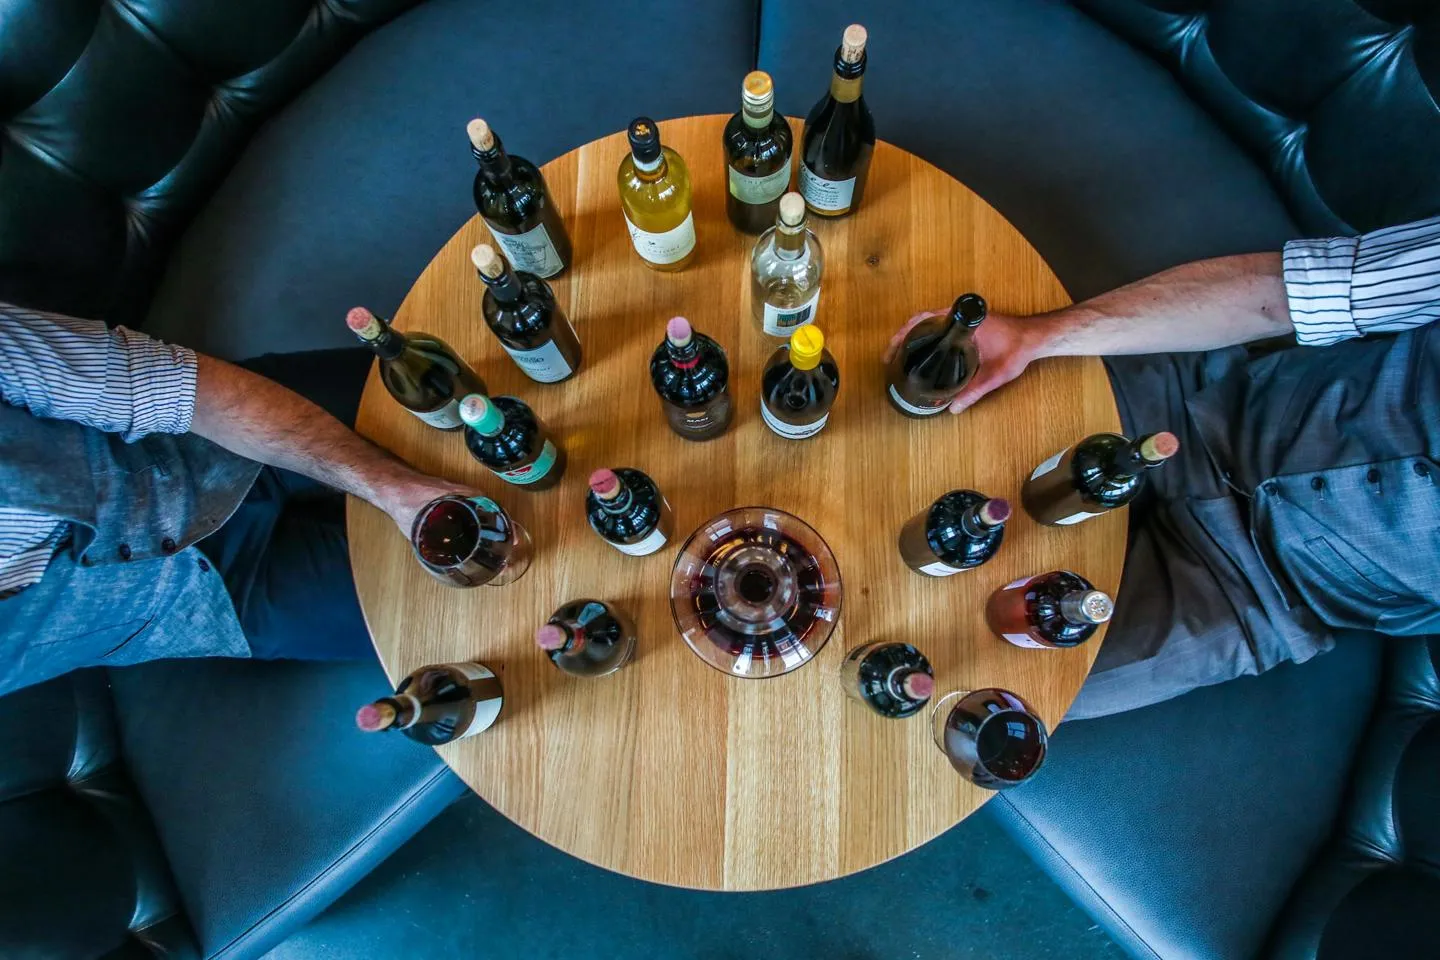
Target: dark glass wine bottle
[(516, 205), (1058, 609), (628, 511), (422, 372), (959, 531), (521, 310), (1099, 473), (587, 638), (936, 360), (893, 679), (505, 435), (839, 135), (692, 377), (757, 153), (438, 704), (799, 385)]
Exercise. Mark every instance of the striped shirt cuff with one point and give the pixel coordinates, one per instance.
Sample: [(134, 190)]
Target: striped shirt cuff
[(1317, 285), (162, 379)]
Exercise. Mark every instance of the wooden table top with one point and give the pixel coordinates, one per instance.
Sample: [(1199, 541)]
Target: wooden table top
[(670, 770)]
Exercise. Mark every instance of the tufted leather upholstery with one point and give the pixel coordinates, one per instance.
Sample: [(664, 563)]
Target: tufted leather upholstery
[(1340, 99), (1374, 890), (118, 117), (84, 872)]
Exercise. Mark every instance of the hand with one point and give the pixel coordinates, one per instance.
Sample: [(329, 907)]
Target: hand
[(403, 497), (1006, 346)]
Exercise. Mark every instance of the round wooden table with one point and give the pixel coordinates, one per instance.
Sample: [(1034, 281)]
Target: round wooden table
[(670, 770)]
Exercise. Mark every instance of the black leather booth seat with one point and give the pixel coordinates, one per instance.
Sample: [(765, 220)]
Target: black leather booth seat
[(119, 117)]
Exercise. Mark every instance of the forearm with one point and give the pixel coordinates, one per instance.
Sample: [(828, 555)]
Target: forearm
[(1198, 306), (257, 418)]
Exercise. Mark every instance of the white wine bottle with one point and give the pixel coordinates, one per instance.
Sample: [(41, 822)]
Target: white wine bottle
[(785, 270), (655, 197), (839, 135)]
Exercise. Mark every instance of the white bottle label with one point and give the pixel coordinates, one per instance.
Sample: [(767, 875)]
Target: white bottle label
[(791, 431), (1049, 465), (543, 364), (1021, 640), (904, 404), (939, 569), (533, 471), (643, 548), (486, 711), (446, 417), (1075, 518), (781, 321), (829, 195), (668, 247), (531, 251), (748, 189)]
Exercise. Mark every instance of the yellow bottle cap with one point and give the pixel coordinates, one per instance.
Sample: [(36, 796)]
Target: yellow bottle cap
[(806, 345)]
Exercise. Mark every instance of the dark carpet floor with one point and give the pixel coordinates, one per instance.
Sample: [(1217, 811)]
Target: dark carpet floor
[(473, 884)]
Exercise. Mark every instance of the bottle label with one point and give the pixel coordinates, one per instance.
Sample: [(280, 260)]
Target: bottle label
[(446, 417), (543, 364), (642, 548), (531, 251), (487, 709), (748, 189), (1075, 518), (671, 246), (830, 196), (939, 569), (1023, 640), (1049, 465), (791, 431), (780, 321), (904, 404), (533, 471)]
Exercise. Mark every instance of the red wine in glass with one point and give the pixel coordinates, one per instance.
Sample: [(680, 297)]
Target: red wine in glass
[(991, 737), (469, 542)]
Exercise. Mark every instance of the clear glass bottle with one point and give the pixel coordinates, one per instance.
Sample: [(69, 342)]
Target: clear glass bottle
[(655, 197), (786, 267)]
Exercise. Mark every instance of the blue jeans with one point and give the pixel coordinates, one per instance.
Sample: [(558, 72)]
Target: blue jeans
[(284, 554)]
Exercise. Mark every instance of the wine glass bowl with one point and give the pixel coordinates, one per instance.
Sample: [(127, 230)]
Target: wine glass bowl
[(991, 736), (469, 542), (755, 592)]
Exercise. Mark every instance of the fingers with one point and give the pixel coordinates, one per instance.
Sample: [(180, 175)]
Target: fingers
[(984, 383), (910, 324)]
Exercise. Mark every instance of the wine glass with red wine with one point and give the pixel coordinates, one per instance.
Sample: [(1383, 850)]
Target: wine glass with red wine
[(991, 736), (755, 592), (469, 542)]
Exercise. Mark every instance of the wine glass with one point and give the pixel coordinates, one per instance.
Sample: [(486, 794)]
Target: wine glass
[(469, 542), (991, 736)]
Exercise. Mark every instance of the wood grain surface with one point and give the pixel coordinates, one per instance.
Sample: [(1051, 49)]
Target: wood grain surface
[(670, 770)]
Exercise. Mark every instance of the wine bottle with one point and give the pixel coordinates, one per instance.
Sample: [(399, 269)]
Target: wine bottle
[(936, 360), (655, 198), (505, 435), (1059, 609), (839, 135), (520, 309), (438, 704), (516, 205), (785, 271), (959, 531), (692, 377), (469, 542), (1099, 473), (799, 385), (893, 679), (587, 638), (757, 155), (628, 511), (421, 372)]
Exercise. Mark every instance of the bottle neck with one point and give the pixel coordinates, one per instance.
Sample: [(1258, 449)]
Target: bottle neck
[(973, 523), (407, 709), (685, 357), (506, 287), (845, 82), (574, 637), (494, 163), (757, 116), (1084, 607), (1127, 461), (620, 502), (790, 241), (650, 171), (902, 682), (389, 345)]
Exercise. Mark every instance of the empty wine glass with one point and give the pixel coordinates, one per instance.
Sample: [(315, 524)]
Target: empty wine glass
[(991, 736), (469, 542)]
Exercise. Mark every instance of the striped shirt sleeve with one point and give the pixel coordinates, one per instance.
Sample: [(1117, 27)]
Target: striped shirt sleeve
[(1386, 281), (116, 380)]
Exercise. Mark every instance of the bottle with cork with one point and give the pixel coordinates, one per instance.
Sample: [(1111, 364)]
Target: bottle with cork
[(839, 135), (628, 511), (438, 704), (786, 267), (1099, 474), (587, 638), (516, 205), (959, 531), (892, 679), (522, 312), (691, 375)]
